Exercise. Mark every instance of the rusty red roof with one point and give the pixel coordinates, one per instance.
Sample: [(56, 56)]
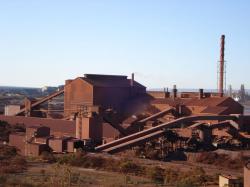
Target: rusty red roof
[(210, 101), (56, 125), (214, 110), (170, 101), (110, 82)]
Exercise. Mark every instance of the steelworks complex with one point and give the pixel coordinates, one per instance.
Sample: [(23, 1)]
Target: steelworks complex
[(112, 113)]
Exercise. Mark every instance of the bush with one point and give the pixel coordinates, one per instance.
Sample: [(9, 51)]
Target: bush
[(112, 165), (3, 179), (10, 162), (93, 162), (6, 152), (6, 129), (222, 160), (186, 183), (156, 174), (130, 167), (19, 163), (47, 156), (66, 159), (82, 161), (152, 154), (171, 176)]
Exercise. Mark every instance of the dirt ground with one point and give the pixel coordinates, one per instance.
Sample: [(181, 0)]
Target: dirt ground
[(91, 177), (96, 178), (185, 166)]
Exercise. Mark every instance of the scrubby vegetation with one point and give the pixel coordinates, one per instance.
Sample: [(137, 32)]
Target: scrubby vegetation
[(222, 160), (10, 161), (66, 170), (81, 159), (6, 129), (127, 167)]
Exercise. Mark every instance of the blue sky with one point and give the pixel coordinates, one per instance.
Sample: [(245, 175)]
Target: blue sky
[(44, 42)]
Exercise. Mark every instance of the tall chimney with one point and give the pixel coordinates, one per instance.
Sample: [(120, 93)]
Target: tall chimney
[(166, 93), (201, 93), (222, 60), (174, 91)]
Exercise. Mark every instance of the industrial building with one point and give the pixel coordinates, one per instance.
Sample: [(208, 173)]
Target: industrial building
[(107, 91), (38, 139), (228, 180), (116, 113)]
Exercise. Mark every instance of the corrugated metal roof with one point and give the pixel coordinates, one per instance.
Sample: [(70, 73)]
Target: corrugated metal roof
[(170, 101), (214, 110), (210, 101), (56, 125), (211, 105), (111, 82)]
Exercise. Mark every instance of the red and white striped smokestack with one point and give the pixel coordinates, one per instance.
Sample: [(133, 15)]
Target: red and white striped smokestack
[(222, 60)]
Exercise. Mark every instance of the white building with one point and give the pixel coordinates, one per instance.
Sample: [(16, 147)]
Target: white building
[(11, 110), (229, 181)]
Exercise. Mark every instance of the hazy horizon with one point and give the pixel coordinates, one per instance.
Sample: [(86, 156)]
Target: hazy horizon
[(149, 89)]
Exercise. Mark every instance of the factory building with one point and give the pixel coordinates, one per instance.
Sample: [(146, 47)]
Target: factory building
[(196, 103), (106, 91), (11, 110), (38, 139), (230, 181)]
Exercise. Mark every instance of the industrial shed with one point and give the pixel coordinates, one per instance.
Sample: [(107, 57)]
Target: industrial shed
[(107, 91)]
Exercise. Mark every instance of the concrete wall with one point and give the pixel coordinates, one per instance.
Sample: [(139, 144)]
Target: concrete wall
[(33, 149), (58, 145), (223, 181), (18, 141), (11, 110), (89, 128)]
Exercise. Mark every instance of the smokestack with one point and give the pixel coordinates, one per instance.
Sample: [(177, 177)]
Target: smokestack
[(132, 79), (174, 91), (166, 93), (222, 60), (201, 93)]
